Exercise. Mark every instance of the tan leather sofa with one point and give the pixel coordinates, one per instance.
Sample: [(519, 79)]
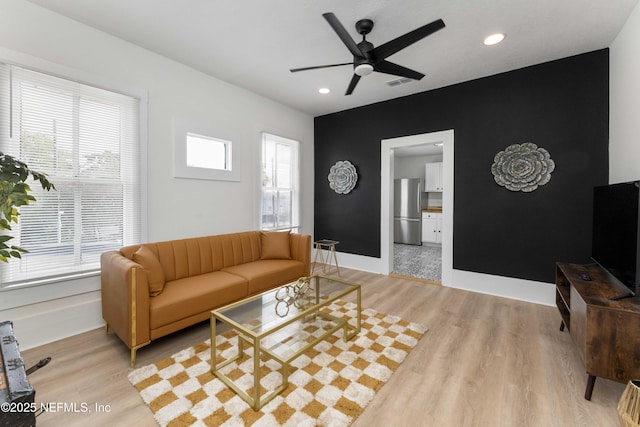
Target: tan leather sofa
[(154, 289)]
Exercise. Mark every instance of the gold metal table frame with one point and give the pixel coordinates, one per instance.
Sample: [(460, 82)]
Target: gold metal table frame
[(253, 330), (325, 259)]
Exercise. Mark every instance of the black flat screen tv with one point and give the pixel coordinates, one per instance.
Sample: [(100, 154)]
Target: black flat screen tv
[(615, 241)]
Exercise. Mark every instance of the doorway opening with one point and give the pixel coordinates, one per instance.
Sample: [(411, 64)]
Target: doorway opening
[(389, 149)]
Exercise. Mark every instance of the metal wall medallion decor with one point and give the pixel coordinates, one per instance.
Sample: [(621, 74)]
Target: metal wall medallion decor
[(522, 167), (343, 177)]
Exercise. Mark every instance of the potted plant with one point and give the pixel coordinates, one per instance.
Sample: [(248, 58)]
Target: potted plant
[(14, 192)]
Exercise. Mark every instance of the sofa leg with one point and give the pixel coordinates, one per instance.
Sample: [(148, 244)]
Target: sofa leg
[(106, 328), (133, 353)]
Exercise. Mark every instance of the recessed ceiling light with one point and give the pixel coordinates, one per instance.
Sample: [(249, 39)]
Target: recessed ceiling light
[(494, 39), (324, 90)]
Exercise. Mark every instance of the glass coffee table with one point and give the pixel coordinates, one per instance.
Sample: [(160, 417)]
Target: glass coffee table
[(281, 324)]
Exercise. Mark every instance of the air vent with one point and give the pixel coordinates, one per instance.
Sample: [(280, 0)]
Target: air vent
[(400, 81)]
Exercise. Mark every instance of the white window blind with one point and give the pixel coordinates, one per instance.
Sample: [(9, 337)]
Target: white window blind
[(86, 140), (280, 177)]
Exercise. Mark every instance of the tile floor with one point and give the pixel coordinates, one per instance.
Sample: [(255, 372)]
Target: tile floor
[(423, 262)]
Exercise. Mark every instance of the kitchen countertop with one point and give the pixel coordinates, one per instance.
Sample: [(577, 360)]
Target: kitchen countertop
[(433, 209)]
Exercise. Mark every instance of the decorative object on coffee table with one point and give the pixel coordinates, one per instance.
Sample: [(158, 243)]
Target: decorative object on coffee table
[(629, 405), (522, 167), (295, 294), (343, 177)]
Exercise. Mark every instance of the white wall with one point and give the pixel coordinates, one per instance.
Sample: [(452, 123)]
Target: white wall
[(624, 102), (412, 166), (176, 208)]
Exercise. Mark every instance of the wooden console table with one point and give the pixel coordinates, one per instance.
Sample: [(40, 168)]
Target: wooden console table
[(605, 332)]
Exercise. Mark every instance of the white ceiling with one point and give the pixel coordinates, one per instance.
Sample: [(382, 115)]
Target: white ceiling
[(254, 43)]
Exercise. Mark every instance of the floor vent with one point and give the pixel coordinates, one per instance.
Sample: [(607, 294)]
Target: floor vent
[(400, 81)]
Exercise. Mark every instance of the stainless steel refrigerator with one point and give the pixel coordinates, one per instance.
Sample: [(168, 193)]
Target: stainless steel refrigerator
[(407, 211)]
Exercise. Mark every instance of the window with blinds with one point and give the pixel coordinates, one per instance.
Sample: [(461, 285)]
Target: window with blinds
[(280, 177), (86, 140)]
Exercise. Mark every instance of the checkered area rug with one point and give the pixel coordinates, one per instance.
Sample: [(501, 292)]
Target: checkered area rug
[(329, 385)]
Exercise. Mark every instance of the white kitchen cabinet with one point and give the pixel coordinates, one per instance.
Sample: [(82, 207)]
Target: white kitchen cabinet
[(433, 177), (431, 227)]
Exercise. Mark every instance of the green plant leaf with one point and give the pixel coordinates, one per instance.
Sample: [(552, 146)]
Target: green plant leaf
[(15, 192)]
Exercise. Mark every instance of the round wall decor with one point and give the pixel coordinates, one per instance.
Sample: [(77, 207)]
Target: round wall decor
[(522, 167), (342, 177)]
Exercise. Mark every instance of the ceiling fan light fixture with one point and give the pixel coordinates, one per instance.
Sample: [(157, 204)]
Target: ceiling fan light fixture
[(367, 58), (363, 69), (494, 39)]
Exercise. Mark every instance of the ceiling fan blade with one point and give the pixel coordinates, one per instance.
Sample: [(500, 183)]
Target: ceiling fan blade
[(343, 34), (294, 70), (352, 84), (399, 43), (396, 70)]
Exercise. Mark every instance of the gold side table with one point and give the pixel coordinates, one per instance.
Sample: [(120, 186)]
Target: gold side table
[(325, 259)]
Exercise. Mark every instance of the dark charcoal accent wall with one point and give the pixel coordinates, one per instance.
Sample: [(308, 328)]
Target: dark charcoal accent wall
[(562, 106)]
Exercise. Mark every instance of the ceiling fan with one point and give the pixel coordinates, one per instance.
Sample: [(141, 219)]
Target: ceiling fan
[(367, 58)]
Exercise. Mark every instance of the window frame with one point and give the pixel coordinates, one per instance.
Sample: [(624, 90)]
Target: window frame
[(294, 179), (182, 128), (77, 282)]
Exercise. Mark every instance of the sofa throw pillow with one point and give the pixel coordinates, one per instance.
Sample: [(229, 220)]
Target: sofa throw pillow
[(275, 245), (151, 265)]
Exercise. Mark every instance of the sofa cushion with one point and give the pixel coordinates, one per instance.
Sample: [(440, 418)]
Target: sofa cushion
[(150, 264), (183, 298), (269, 273), (275, 245)]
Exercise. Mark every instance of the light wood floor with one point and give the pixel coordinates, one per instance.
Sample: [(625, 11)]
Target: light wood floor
[(485, 361)]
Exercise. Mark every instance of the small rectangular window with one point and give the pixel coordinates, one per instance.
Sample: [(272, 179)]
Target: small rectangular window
[(208, 153), (205, 151)]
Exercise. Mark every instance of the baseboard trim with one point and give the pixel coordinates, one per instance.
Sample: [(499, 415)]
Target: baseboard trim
[(507, 287), (46, 322), (360, 262)]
